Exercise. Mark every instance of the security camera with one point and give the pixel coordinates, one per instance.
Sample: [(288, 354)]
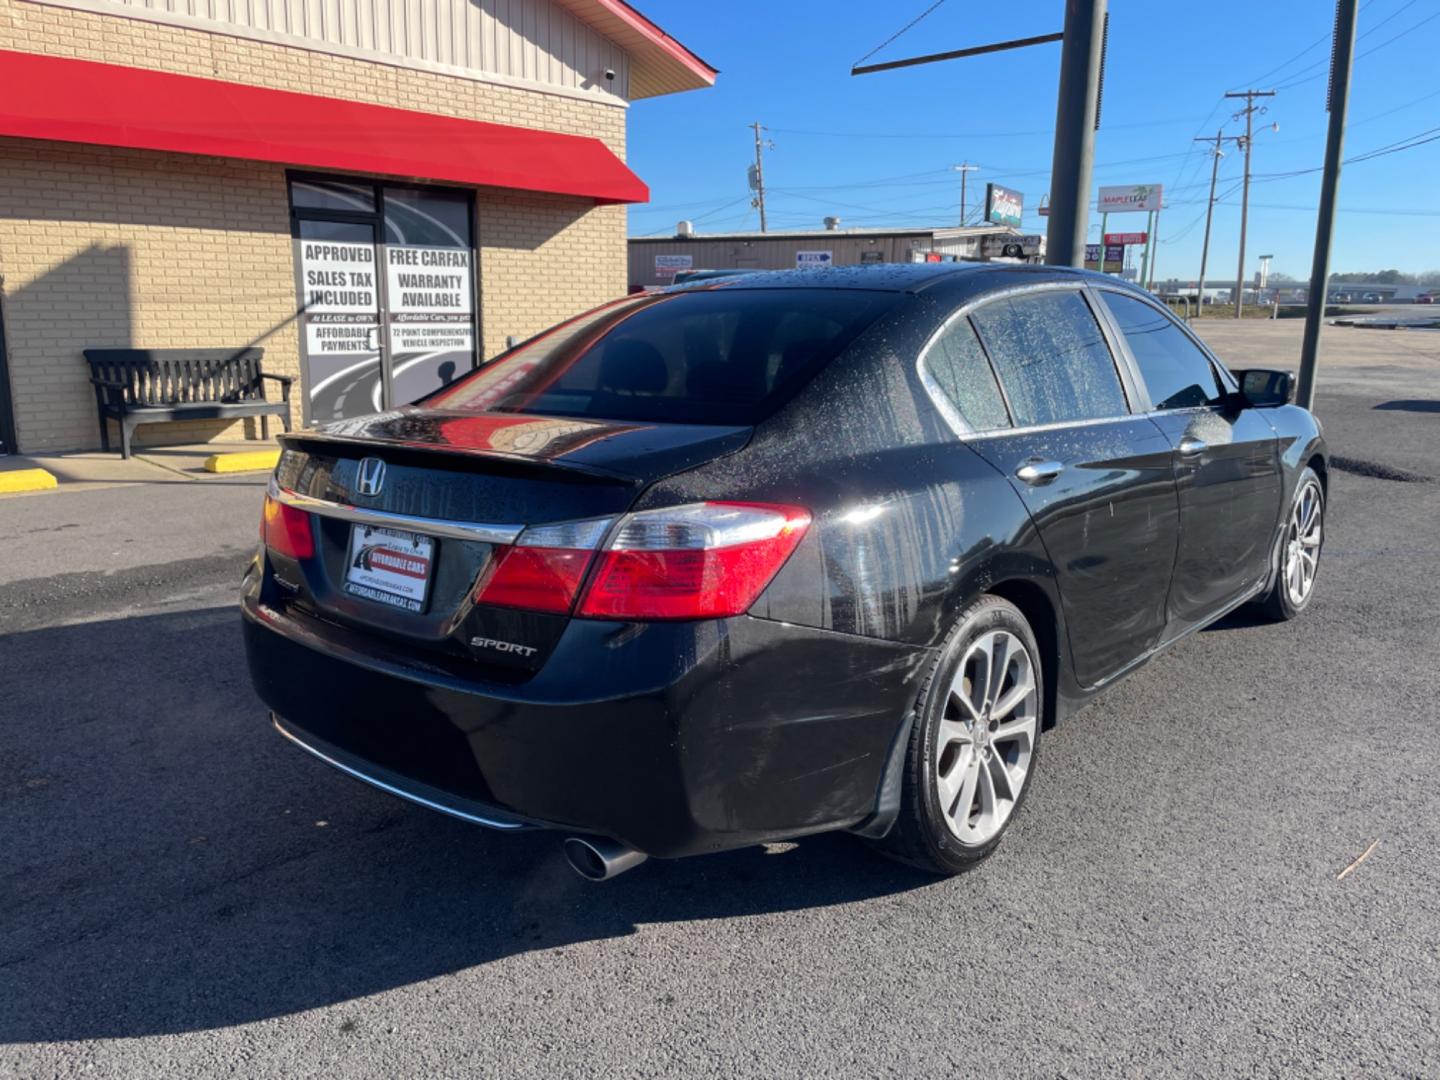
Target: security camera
[(609, 74)]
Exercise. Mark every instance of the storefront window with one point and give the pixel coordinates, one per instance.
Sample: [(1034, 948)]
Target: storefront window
[(332, 195), (387, 292)]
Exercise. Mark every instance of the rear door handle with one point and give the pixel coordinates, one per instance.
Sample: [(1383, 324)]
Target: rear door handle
[(1039, 472), (1190, 446)]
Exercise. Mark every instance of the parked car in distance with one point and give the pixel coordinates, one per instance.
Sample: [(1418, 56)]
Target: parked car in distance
[(1425, 298), (1372, 298), (775, 555)]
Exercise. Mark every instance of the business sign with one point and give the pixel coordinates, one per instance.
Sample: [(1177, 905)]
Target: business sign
[(430, 299), (814, 260), (1117, 200), (1126, 237), (872, 256), (340, 305), (1010, 247), (666, 266), (1114, 256), (1003, 206)]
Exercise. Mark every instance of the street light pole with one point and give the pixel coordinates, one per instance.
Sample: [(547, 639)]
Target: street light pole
[(1338, 102)]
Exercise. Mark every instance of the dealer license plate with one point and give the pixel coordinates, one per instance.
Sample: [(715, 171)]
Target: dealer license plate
[(389, 566)]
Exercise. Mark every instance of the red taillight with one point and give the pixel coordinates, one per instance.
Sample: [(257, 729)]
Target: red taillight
[(535, 579), (701, 561), (543, 570), (286, 531)]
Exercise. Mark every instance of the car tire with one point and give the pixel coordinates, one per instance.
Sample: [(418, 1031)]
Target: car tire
[(1300, 545), (971, 744)]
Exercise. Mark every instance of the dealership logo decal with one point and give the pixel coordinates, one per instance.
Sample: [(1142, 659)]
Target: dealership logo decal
[(372, 476)]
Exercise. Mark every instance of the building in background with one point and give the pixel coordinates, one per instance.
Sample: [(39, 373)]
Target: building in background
[(377, 192), (656, 260)]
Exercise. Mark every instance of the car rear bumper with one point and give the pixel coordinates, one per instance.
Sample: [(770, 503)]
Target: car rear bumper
[(675, 738)]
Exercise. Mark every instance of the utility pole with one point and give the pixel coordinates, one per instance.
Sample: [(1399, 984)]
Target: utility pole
[(1338, 103), (1209, 213), (963, 170), (1077, 115), (1154, 246), (759, 178), (1248, 112)]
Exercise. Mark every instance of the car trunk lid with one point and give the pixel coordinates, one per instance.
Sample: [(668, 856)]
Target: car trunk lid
[(399, 546)]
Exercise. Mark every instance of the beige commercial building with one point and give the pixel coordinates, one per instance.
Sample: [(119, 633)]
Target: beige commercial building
[(376, 192), (656, 260)]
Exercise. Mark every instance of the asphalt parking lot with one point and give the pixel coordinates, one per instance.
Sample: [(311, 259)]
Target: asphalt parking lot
[(183, 894)]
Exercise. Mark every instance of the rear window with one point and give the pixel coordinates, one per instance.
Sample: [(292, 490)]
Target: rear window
[(723, 356)]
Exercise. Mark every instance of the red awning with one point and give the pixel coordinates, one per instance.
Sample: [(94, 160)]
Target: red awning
[(49, 97)]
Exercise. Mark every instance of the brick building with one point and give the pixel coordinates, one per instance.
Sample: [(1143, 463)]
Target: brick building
[(377, 192)]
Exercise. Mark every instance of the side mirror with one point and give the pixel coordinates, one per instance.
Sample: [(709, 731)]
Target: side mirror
[(1262, 388)]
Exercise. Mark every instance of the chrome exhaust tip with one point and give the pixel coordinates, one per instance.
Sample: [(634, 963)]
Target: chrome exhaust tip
[(597, 858)]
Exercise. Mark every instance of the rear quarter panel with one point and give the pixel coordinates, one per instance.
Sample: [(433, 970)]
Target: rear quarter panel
[(909, 523)]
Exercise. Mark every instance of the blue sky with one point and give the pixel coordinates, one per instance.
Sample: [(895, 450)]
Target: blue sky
[(878, 149)]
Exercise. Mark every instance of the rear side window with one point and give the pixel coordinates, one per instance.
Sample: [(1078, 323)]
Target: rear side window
[(708, 356), (1177, 374), (957, 365), (1052, 358)]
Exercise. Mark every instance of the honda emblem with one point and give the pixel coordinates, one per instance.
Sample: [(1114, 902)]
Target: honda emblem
[(372, 476)]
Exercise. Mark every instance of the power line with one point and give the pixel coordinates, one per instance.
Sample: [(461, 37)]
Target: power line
[(1367, 52), (960, 134), (908, 26)]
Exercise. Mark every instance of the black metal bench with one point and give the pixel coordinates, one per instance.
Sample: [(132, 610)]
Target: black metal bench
[(148, 386)]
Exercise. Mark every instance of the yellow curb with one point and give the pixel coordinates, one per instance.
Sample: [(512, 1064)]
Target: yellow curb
[(245, 461), (25, 480)]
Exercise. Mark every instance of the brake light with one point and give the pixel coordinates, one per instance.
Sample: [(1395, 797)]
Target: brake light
[(700, 561), (543, 569), (286, 530)]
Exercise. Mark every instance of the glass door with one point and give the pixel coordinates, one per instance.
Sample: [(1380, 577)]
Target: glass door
[(343, 354), (429, 288), (387, 292)]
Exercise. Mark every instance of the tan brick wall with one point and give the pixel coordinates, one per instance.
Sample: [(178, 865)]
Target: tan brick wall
[(103, 246), (114, 39), (543, 258)]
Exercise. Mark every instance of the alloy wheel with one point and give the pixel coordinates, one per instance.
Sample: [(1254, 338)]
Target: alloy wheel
[(986, 737), (1302, 543)]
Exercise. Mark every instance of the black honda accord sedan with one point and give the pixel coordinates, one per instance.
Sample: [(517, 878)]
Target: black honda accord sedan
[(775, 555)]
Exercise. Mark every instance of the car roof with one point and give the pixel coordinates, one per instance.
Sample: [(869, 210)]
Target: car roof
[(890, 277)]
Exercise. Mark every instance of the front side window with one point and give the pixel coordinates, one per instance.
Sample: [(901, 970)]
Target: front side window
[(709, 356), (1051, 357), (958, 367), (1176, 372)]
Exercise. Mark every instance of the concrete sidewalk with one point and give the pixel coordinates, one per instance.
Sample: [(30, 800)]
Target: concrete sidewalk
[(87, 470)]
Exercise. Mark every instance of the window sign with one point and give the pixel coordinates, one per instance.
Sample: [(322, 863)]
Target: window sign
[(341, 310), (429, 288), (386, 276), (430, 299)]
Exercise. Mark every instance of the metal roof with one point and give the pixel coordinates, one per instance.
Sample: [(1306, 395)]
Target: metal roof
[(659, 63)]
